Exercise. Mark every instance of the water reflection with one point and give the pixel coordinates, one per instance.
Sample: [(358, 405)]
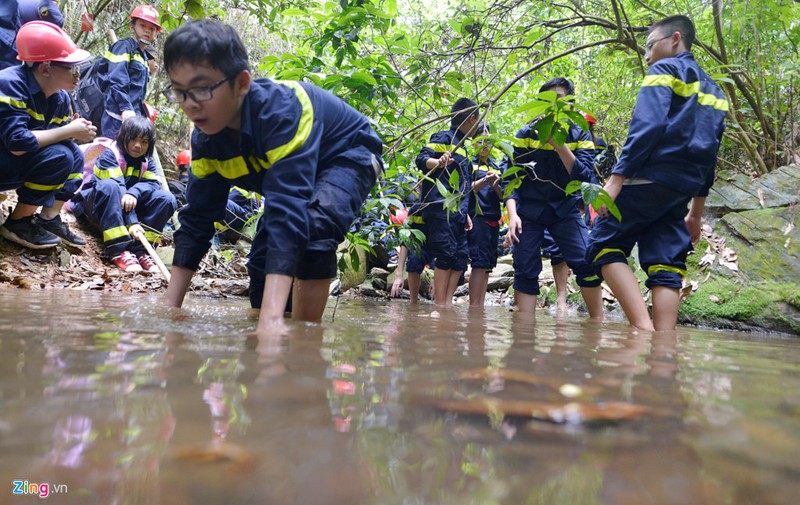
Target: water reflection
[(122, 401)]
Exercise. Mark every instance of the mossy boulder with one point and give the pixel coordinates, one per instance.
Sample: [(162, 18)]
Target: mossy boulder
[(739, 192), (757, 286), (730, 303), (349, 276)]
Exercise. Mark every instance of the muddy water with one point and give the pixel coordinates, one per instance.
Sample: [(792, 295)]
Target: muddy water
[(117, 400)]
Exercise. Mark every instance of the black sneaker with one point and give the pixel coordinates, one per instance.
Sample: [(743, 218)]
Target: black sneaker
[(59, 228), (28, 233)]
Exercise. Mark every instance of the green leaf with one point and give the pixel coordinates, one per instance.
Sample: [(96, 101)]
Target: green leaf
[(293, 12), (363, 76), (544, 128)]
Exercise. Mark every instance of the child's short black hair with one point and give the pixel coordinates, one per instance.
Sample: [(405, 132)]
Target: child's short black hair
[(558, 82), (206, 42), (674, 24), (133, 128), (461, 118)]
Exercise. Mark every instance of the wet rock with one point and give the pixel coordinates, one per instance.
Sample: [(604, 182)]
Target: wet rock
[(499, 283), (739, 192), (503, 270), (505, 260), (378, 283), (462, 290), (166, 253), (379, 273)]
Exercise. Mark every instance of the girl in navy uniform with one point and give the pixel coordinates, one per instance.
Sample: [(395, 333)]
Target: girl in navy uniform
[(124, 197)]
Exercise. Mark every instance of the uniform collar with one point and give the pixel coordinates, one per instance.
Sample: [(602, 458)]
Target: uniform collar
[(33, 84)]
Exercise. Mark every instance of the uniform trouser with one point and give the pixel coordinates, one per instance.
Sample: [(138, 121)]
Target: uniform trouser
[(236, 215), (482, 240), (338, 195), (447, 242), (102, 206), (570, 234), (652, 216), (51, 173)]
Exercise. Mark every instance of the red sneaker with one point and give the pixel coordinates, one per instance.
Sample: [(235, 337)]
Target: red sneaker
[(127, 262), (147, 264)]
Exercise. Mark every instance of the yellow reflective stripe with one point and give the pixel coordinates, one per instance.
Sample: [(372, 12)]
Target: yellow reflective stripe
[(303, 127), (60, 120), (530, 143), (152, 237), (110, 173), (607, 251), (591, 278), (21, 105), (115, 233), (138, 57), (42, 187), (219, 226), (686, 90), (229, 169), (665, 268), (487, 168), (75, 176), (117, 58), (415, 220), (150, 176), (441, 148)]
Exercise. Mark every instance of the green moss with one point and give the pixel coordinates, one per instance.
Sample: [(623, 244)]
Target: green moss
[(768, 304)]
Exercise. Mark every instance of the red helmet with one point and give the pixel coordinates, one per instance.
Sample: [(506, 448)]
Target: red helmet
[(398, 216), (589, 118), (184, 158), (152, 113), (39, 41), (146, 13)]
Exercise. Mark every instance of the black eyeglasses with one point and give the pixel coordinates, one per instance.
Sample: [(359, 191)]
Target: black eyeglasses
[(200, 94), (649, 46), (73, 69)]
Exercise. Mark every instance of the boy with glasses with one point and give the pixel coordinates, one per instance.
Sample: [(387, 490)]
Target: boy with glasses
[(313, 158), (668, 161), (37, 133)]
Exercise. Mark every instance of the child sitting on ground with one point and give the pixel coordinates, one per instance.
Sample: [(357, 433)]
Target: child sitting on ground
[(124, 197)]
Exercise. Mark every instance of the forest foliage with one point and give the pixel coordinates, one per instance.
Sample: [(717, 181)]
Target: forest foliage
[(404, 63)]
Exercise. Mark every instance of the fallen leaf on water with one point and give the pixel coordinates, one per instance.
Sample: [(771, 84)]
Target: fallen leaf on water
[(513, 376), (567, 413), (217, 452)]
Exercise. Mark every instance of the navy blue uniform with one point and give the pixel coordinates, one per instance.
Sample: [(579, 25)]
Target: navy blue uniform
[(125, 78), (446, 238), (242, 205), (8, 33), (416, 261), (42, 174), (485, 211), (669, 157), (100, 201), (312, 157), (542, 205), (42, 10)]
